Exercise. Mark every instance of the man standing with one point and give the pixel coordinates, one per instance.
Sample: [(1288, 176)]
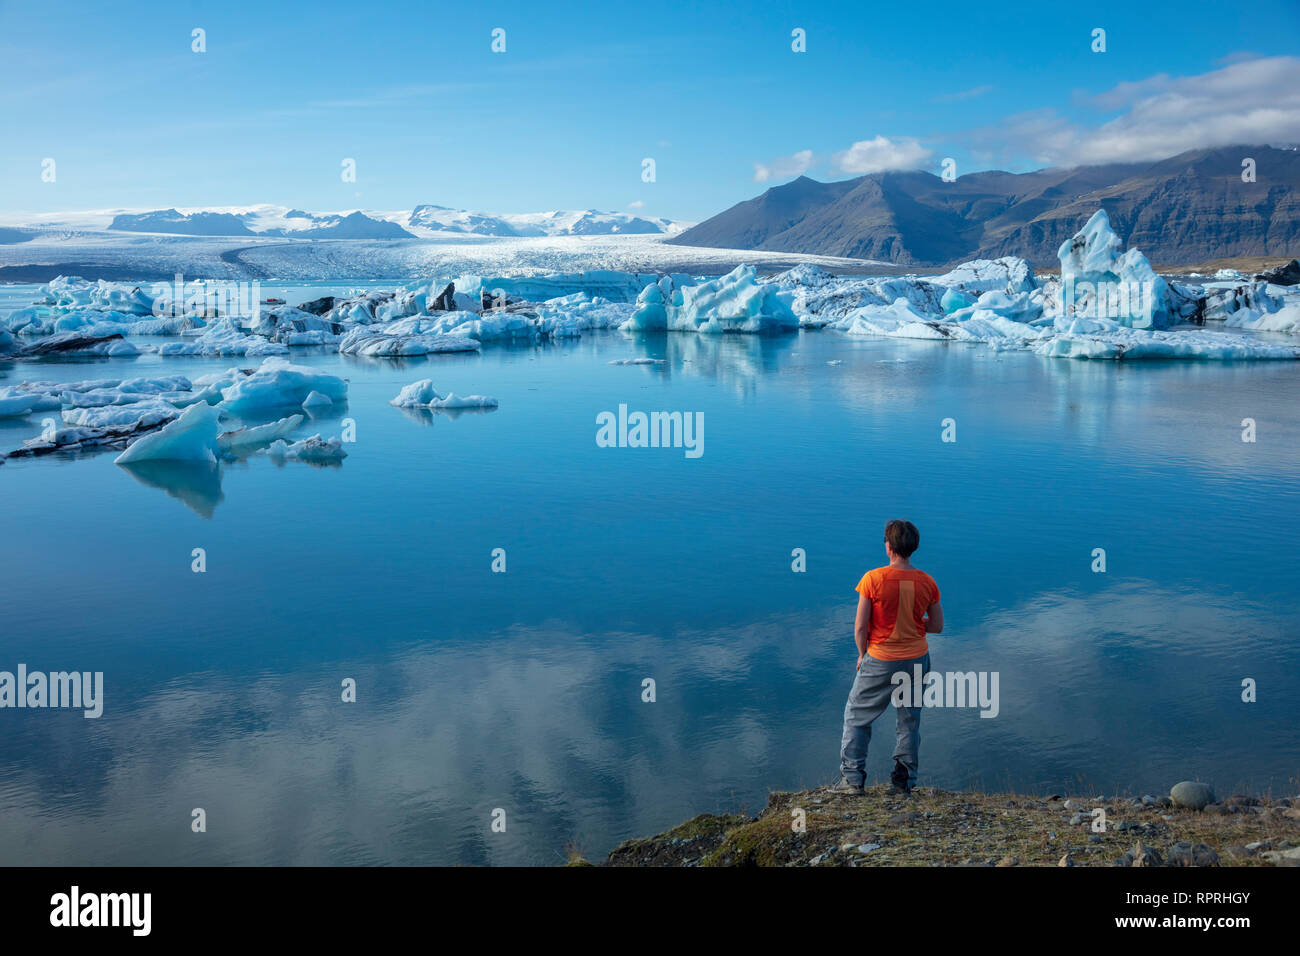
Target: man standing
[(897, 606)]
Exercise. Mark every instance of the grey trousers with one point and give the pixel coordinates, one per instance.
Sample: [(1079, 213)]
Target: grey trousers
[(870, 695)]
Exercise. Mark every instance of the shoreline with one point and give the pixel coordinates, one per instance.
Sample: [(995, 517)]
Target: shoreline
[(934, 827)]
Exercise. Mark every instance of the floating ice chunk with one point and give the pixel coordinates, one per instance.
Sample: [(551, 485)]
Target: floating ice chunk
[(70, 292), (1285, 319), (422, 394), (1126, 344), (277, 383), (618, 287), (242, 440), (191, 437), (16, 405), (1008, 274), (638, 361), (313, 449), (316, 400), (414, 336), (736, 302), (896, 321), (148, 414), (1020, 307), (1098, 281), (224, 337)]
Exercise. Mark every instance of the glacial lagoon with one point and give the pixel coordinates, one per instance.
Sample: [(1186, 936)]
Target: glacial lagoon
[(479, 690)]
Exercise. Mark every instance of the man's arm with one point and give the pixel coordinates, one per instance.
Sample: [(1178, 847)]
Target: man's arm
[(934, 618), (862, 625)]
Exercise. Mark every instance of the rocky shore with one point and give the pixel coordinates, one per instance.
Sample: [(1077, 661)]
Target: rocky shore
[(1190, 826)]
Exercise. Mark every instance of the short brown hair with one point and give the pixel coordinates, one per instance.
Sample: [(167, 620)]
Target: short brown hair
[(902, 537)]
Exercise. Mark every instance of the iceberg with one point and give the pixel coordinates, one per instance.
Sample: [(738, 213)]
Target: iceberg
[(1009, 274), (422, 394), (314, 449), (16, 405), (243, 440), (1098, 281), (415, 336), (191, 437), (277, 383), (149, 413), (736, 302)]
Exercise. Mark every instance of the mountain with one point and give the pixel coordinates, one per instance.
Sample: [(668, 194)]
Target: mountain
[(424, 221), (589, 222), (1192, 207), (260, 221)]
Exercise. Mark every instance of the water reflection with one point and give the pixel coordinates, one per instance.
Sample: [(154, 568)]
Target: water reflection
[(195, 484)]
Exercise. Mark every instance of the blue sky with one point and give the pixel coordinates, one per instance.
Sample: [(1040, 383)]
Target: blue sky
[(585, 91)]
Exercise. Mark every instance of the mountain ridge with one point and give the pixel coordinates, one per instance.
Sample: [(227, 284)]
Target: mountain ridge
[(1189, 207)]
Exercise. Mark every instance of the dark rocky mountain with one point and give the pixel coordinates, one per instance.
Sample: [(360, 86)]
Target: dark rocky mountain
[(1190, 208)]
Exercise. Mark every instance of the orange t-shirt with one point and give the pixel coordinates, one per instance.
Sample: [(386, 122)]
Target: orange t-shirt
[(899, 600)]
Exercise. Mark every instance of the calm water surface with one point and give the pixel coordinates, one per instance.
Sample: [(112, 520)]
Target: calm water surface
[(522, 690)]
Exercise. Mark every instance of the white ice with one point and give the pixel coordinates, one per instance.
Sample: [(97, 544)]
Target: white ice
[(422, 394)]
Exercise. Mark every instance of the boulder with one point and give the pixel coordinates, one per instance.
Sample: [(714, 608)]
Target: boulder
[(1288, 274), (1191, 795)]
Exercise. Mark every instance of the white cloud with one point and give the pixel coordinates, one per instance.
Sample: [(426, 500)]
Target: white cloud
[(964, 94), (881, 154), (1252, 101), (787, 167), (636, 204)]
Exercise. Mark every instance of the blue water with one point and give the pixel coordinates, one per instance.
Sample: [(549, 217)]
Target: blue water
[(522, 690)]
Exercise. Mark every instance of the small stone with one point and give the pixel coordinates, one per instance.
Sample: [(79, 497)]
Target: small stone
[(1186, 853), (1241, 800), (1125, 860), (1065, 861), (816, 861), (1125, 825), (868, 847), (1143, 855), (1054, 796), (1076, 819), (1148, 800), (1283, 857), (1191, 795), (1164, 802), (1072, 805), (1237, 853), (1215, 809), (1009, 861), (1094, 837), (1259, 845)]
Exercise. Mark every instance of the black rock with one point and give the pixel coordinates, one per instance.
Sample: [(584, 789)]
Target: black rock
[(318, 306), (1288, 274), (446, 301), (65, 342)]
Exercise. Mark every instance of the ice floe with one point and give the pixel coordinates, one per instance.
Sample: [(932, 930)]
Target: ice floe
[(314, 449), (277, 383), (422, 394), (191, 437)]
